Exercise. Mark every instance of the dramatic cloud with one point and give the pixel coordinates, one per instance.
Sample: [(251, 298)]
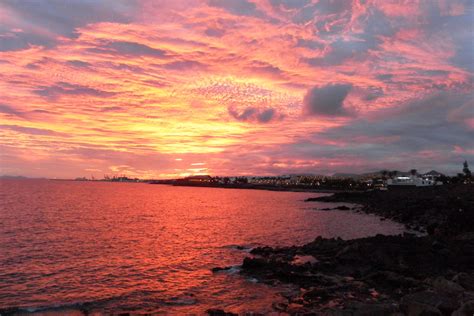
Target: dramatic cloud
[(152, 88), (185, 65), (41, 21), (128, 49), (78, 63), (64, 88), (8, 110), (253, 114), (327, 100), (31, 130), (242, 7), (437, 122)]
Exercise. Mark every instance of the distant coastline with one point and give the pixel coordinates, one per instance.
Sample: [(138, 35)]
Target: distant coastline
[(248, 187)]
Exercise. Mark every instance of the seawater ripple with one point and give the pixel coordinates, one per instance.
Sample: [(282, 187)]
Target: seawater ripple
[(69, 246)]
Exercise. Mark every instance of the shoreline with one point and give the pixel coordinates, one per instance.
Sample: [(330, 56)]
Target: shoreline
[(254, 187), (382, 275)]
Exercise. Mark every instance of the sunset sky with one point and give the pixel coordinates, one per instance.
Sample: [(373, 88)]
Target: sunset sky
[(160, 89)]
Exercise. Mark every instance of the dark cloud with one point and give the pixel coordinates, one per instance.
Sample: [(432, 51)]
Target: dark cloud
[(373, 93), (337, 14), (464, 56), (128, 49), (60, 18), (338, 52), (42, 111), (436, 123), (19, 40), (384, 77), (266, 115), (31, 130), (327, 7), (122, 67), (6, 109), (64, 88), (263, 67), (459, 28), (246, 115), (334, 12), (214, 32), (40, 63), (181, 42), (241, 7), (254, 114), (327, 100), (309, 44), (78, 63), (290, 4), (184, 65)]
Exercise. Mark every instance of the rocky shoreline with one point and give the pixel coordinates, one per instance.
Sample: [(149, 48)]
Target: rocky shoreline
[(383, 275), (445, 209)]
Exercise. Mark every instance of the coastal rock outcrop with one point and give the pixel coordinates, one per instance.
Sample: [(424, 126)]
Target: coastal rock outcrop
[(383, 275), (447, 209)]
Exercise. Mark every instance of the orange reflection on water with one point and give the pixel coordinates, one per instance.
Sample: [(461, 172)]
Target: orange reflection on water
[(114, 247)]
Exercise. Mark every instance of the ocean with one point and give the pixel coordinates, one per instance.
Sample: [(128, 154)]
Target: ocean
[(99, 247)]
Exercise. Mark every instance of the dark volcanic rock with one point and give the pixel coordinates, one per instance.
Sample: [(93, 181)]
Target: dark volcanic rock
[(429, 303), (465, 280), (377, 270), (466, 309), (383, 275), (361, 309), (219, 312), (218, 269), (447, 209)]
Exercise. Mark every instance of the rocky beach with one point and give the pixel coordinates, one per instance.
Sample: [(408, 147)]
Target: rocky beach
[(428, 273)]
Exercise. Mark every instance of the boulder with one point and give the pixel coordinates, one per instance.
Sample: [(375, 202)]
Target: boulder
[(254, 263), (218, 269), (465, 280), (219, 312), (390, 280), (375, 310), (316, 293), (467, 309), (419, 309), (428, 303), (442, 285)]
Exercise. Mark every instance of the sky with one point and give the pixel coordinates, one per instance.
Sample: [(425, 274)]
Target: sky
[(163, 89)]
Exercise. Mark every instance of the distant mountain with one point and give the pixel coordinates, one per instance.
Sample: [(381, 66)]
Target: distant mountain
[(6, 176), (347, 175), (303, 175), (12, 177)]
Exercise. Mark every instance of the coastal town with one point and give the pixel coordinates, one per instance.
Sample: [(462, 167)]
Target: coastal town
[(380, 180)]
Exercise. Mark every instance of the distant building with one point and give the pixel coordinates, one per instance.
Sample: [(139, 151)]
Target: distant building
[(432, 175), (411, 181), (203, 178)]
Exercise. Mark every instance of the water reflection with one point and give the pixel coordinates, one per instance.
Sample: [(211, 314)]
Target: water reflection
[(113, 247)]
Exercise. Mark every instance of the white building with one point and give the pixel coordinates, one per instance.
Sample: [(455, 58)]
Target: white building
[(432, 175), (412, 180)]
